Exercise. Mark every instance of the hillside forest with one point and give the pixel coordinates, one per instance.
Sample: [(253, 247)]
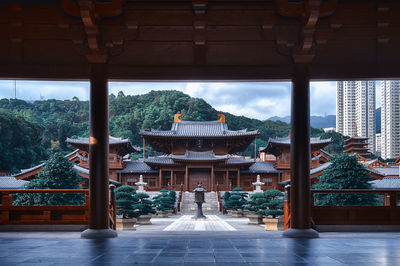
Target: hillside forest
[(31, 131)]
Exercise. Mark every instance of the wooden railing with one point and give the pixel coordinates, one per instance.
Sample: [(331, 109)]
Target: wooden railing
[(54, 215), (35, 215), (388, 214)]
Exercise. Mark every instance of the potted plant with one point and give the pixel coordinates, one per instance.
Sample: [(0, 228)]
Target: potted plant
[(172, 195), (125, 196), (236, 202), (275, 208), (257, 203), (145, 208)]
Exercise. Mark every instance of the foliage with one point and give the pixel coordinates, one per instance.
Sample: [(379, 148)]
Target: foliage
[(236, 200), (44, 125), (165, 201), (257, 202), (336, 147), (57, 174), (274, 203), (144, 204), (127, 203), (345, 173), (21, 142)]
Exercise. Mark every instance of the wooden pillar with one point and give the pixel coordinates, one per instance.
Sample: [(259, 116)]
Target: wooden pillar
[(226, 180), (238, 178), (186, 178), (160, 178), (172, 178), (98, 155), (300, 155), (212, 181)]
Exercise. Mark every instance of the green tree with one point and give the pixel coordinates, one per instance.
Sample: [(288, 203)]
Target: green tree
[(345, 173), (257, 202), (163, 201), (274, 203), (237, 199), (58, 173), (127, 203), (144, 204)]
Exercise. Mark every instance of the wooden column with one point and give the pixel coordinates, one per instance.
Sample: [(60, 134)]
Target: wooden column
[(226, 180), (186, 179), (212, 181), (238, 178), (172, 178), (160, 178), (98, 155), (300, 155)]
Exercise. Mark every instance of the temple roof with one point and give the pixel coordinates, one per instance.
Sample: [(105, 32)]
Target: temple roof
[(199, 156), (316, 143), (386, 183), (137, 167), (196, 129), (124, 146), (355, 138), (262, 167), (10, 182), (320, 168)]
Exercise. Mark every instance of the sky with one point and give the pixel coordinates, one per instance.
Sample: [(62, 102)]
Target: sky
[(260, 100)]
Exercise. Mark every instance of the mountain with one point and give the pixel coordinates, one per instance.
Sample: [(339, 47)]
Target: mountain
[(316, 121)]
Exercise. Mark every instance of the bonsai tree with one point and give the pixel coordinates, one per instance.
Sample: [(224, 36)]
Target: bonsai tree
[(237, 199), (126, 202), (58, 173), (163, 201), (257, 202), (345, 173), (274, 203), (144, 205)]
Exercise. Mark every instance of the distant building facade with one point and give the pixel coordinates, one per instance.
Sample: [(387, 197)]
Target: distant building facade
[(378, 142), (355, 110), (390, 119)]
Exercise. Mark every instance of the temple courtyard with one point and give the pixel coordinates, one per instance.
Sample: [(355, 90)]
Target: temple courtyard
[(199, 248)]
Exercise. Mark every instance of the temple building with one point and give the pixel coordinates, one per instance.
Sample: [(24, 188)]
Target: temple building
[(357, 145), (194, 152)]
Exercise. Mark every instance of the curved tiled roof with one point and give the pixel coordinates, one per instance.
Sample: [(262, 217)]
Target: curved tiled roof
[(386, 183), (10, 182), (199, 156), (137, 167), (80, 142), (161, 160), (286, 141), (319, 168), (199, 129), (262, 167)]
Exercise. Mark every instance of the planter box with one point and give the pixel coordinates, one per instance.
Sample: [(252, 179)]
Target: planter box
[(229, 212), (273, 224), (237, 214), (144, 219), (162, 214), (170, 213), (126, 224), (255, 219)]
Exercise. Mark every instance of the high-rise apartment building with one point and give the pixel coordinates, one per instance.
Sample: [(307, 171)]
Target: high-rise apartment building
[(355, 110), (390, 119)]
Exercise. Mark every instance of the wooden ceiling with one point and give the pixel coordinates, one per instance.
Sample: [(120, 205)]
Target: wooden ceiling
[(200, 40)]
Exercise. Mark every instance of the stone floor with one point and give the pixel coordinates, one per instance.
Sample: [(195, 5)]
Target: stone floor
[(199, 248)]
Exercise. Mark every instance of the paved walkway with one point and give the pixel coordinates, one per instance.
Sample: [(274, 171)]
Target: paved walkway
[(213, 223), (233, 248)]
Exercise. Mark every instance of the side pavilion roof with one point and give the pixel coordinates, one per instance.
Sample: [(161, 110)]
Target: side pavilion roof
[(124, 146), (273, 143)]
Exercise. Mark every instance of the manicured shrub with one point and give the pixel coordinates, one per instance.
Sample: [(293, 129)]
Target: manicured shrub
[(274, 203), (126, 201), (144, 205)]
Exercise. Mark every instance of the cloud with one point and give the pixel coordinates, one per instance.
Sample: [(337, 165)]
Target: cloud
[(323, 98), (259, 100), (34, 90)]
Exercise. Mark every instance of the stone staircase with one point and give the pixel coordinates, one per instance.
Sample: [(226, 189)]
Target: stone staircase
[(190, 207)]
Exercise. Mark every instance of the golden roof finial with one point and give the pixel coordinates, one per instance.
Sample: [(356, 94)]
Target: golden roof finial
[(221, 118), (176, 118)]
